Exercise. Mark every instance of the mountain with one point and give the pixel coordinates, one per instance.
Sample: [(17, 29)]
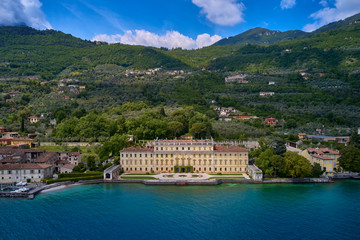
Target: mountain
[(334, 25), (331, 50), (27, 51), (261, 36)]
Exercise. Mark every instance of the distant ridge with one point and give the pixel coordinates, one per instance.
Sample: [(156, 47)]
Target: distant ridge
[(261, 36)]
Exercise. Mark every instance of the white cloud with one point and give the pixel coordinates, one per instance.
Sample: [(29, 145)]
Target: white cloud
[(341, 10), (286, 4), (172, 39), (15, 12), (222, 12), (324, 3)]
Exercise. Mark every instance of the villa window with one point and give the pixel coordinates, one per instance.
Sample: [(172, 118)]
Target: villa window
[(145, 154), (171, 155), (188, 148), (140, 155), (182, 148), (130, 155), (220, 169), (134, 155), (9, 172), (135, 169)]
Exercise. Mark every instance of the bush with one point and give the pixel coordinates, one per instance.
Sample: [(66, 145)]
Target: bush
[(73, 179), (219, 173), (75, 175)]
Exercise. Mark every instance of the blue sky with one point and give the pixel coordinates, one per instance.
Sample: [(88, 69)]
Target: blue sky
[(172, 23)]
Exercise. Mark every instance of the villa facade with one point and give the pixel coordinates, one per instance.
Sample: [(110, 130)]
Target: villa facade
[(327, 158), (184, 156)]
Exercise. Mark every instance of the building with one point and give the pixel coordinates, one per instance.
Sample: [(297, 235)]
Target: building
[(184, 156), (33, 119), (71, 157), (10, 141), (236, 78), (11, 134), (67, 168), (264, 94), (327, 158), (255, 173), (302, 136), (271, 121), (322, 138), (10, 173)]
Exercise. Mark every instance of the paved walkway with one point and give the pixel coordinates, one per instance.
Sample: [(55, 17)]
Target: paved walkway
[(186, 176)]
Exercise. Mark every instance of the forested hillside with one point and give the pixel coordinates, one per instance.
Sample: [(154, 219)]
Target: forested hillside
[(95, 91)]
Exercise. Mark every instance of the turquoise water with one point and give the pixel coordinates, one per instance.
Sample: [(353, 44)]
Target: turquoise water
[(227, 211)]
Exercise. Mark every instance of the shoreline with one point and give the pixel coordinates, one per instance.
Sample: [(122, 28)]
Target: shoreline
[(213, 182)]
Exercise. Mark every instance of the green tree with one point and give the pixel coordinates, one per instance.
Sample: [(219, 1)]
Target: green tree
[(355, 139), (114, 145), (91, 159), (198, 130), (349, 159), (296, 166), (316, 170), (279, 146), (175, 127)]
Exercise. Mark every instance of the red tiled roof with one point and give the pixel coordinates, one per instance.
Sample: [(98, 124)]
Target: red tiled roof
[(137, 149), (46, 157), (321, 157), (23, 166), (68, 166), (219, 148)]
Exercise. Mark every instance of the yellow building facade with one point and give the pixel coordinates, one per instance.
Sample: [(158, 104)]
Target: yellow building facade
[(184, 156), (327, 158)]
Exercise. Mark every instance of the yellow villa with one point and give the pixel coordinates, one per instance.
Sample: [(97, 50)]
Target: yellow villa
[(327, 158), (184, 156)]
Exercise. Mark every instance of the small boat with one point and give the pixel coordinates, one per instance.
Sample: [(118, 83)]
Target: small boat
[(21, 184)]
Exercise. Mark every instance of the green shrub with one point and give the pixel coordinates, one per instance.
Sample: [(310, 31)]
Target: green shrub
[(74, 179), (219, 173)]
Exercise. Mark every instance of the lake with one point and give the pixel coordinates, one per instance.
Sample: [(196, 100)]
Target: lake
[(226, 211)]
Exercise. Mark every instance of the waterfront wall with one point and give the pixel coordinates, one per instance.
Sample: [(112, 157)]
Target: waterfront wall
[(31, 194)]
